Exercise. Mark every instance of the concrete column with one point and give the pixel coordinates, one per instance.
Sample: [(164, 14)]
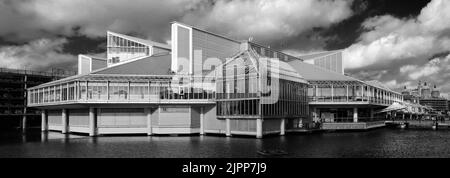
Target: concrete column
[(355, 114), (149, 121), (202, 121), (283, 127), (44, 122), (24, 122), (259, 123), (92, 122), (371, 114), (65, 121), (228, 127)]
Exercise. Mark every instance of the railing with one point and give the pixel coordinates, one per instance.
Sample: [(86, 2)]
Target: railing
[(122, 92), (350, 99)]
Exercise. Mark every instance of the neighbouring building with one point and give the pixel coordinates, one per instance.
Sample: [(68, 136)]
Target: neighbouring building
[(13, 97), (205, 83)]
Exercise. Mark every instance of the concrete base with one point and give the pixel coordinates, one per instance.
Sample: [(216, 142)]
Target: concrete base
[(353, 125)]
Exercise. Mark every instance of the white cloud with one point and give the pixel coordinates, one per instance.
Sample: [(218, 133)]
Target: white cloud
[(389, 39), (259, 18), (407, 68), (271, 19), (425, 71), (430, 70), (36, 55)]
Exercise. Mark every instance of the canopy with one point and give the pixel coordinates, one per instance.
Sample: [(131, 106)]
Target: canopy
[(393, 107)]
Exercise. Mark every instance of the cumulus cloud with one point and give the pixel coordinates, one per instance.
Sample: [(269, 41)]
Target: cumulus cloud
[(434, 68), (259, 18), (402, 48), (387, 38), (40, 55), (269, 19)]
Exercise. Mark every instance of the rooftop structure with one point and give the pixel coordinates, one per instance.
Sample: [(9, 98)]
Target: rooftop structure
[(121, 48)]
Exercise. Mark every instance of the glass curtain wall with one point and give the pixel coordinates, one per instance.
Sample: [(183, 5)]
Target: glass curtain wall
[(292, 101), (237, 88)]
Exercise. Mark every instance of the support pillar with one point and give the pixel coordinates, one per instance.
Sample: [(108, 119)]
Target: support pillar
[(24, 123), (65, 121), (259, 124), (202, 121), (44, 121), (355, 114), (371, 114), (283, 127), (228, 127), (148, 112), (92, 122)]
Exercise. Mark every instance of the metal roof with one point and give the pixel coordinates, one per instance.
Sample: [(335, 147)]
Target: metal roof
[(318, 54), (314, 73), (152, 65)]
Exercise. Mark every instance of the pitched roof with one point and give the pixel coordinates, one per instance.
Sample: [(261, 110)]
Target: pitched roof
[(152, 65), (314, 73), (139, 40)]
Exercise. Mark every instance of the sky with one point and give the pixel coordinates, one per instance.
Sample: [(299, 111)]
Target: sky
[(397, 42)]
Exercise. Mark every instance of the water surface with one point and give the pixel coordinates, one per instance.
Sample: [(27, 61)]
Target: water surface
[(379, 143)]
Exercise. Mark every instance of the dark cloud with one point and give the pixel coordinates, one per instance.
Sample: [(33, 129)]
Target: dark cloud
[(42, 55)]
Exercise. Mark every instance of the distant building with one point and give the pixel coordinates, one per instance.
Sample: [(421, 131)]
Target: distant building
[(426, 95), (13, 96)]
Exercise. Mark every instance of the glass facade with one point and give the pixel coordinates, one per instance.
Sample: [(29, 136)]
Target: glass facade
[(120, 49), (239, 93), (158, 90), (350, 92)]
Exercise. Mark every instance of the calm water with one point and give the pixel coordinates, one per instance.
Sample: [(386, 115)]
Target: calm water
[(384, 142)]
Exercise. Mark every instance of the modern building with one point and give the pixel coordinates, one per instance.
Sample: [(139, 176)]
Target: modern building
[(13, 98), (204, 83)]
